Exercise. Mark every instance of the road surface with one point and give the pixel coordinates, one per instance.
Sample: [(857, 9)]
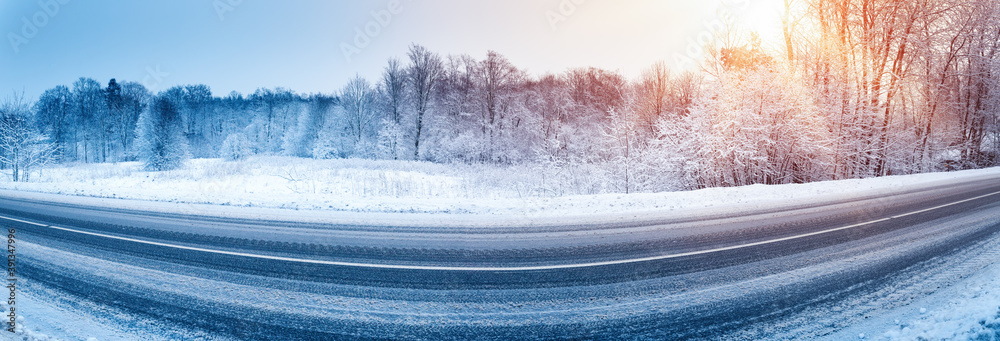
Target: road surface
[(738, 274)]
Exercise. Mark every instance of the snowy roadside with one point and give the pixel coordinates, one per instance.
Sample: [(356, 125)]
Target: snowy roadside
[(255, 195), (969, 309), (55, 316), (60, 317)]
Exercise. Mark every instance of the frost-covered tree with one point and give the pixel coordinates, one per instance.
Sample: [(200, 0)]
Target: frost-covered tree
[(654, 94), (135, 100), (392, 140), (756, 126), (22, 147), (549, 100), (54, 116), (236, 147), (161, 141), (311, 120), (234, 113), (497, 83), (596, 93), (89, 112), (393, 101), (276, 111), (392, 91), (424, 75), (624, 150), (199, 127), (328, 146), (629, 162), (360, 115), (115, 127), (333, 141)]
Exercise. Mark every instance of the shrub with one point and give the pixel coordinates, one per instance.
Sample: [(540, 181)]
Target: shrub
[(236, 147)]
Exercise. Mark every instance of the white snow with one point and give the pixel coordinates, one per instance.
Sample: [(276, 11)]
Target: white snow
[(969, 310), (286, 188), (49, 315)]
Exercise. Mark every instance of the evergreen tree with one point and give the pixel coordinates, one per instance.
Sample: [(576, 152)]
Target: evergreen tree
[(161, 145)]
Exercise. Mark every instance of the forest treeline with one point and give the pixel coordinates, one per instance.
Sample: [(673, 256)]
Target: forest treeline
[(857, 88)]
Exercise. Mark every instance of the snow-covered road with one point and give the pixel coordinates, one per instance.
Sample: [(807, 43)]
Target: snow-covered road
[(805, 269)]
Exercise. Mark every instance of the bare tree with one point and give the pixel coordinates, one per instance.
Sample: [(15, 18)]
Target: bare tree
[(497, 82), (22, 149), (654, 91), (393, 90), (275, 107), (54, 116), (424, 74), (88, 100), (135, 98), (788, 23), (392, 100), (358, 100)]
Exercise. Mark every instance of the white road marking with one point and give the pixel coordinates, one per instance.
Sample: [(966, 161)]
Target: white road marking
[(23, 221), (505, 269), (943, 206)]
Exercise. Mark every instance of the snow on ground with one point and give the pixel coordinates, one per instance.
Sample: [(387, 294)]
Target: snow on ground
[(53, 316), (51, 322), (969, 310), (295, 184)]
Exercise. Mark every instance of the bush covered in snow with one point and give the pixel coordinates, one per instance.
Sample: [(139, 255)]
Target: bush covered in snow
[(326, 150), (236, 147)]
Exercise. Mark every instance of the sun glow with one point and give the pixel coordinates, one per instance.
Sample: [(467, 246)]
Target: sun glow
[(764, 18)]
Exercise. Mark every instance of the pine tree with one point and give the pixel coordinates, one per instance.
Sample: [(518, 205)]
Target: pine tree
[(162, 145)]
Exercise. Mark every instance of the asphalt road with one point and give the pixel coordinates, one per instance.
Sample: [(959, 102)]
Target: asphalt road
[(717, 276)]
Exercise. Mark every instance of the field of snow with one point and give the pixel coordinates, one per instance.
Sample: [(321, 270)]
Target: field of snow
[(295, 184)]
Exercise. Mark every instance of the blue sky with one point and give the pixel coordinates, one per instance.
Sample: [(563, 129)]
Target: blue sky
[(241, 45)]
